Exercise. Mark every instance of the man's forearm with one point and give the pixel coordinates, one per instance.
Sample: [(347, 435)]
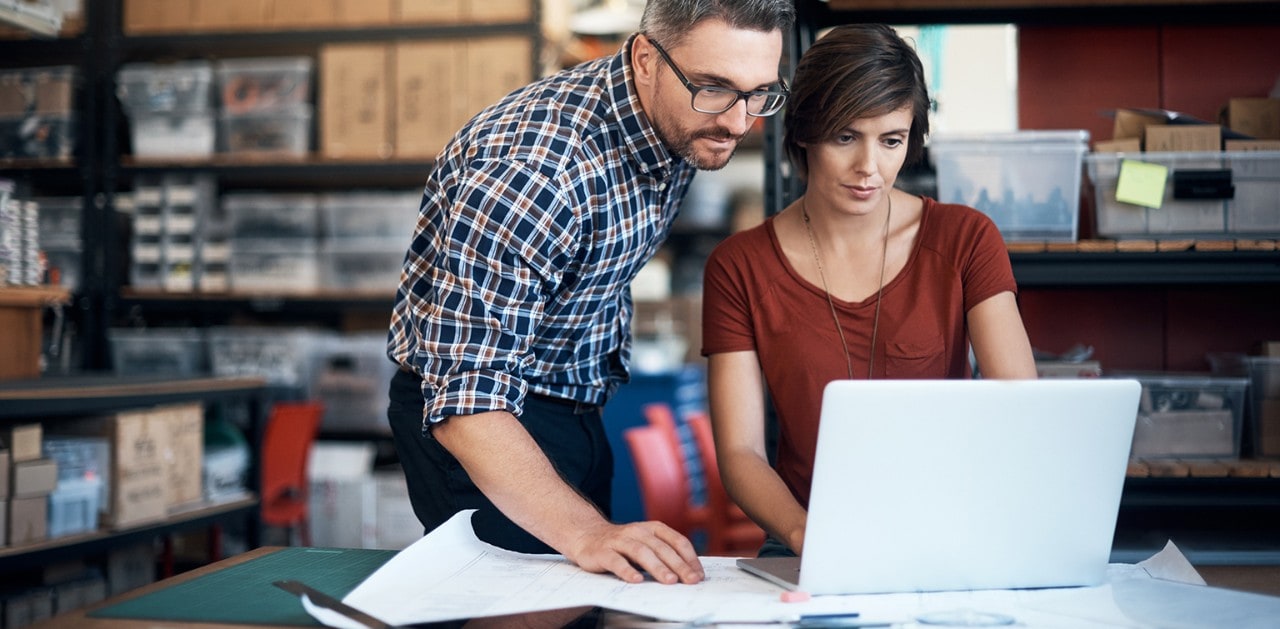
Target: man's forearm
[(513, 472)]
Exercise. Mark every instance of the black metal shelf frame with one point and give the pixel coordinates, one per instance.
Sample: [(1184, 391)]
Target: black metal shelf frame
[(51, 399), (106, 47)]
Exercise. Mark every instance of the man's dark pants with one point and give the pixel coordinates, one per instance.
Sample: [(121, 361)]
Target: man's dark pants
[(570, 434)]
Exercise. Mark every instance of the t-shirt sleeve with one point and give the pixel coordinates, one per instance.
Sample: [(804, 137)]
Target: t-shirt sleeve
[(987, 271), (726, 301)]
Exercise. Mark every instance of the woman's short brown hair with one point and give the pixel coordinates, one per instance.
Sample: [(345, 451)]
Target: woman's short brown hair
[(854, 71)]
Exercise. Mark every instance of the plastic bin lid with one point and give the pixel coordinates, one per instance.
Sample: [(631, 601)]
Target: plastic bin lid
[(264, 64), (1063, 136), (146, 71)]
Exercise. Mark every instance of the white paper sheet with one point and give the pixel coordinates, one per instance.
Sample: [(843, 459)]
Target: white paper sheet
[(451, 574)]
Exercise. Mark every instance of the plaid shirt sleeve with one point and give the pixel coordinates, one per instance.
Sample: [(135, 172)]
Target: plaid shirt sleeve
[(480, 273)]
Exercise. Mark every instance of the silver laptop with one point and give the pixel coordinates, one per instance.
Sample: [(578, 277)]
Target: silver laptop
[(932, 485)]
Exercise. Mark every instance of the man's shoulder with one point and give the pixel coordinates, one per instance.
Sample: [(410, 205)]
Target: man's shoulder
[(551, 120)]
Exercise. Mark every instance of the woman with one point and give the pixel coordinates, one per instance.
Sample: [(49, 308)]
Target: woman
[(855, 279)]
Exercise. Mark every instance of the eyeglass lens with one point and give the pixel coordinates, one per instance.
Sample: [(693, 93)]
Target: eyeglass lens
[(713, 100)]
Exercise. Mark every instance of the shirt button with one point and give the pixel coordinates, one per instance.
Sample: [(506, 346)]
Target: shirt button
[(662, 186)]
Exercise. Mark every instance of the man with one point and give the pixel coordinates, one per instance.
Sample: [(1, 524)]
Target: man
[(512, 320)]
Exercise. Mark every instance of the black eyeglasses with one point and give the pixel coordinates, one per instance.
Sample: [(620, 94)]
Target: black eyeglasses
[(709, 99)]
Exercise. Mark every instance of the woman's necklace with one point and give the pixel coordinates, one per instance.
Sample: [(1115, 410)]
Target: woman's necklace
[(875, 324)]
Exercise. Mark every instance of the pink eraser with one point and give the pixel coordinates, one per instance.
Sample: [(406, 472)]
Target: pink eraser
[(794, 597)]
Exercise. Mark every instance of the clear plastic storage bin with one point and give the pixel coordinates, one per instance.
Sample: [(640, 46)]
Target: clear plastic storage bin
[(1264, 405), (272, 217), (161, 351), (59, 221), (1241, 201), (351, 380), (278, 131), (263, 84), (283, 356), (1028, 182), (172, 135), (283, 267), (362, 269), (73, 507), (350, 218), (38, 136), (159, 88), (1184, 416)]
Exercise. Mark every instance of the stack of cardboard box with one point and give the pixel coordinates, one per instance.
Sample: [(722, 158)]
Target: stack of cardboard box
[(146, 17), (405, 100), (31, 478), (1247, 124)]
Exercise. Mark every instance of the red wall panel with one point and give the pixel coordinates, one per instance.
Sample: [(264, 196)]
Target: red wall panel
[(1124, 326), (1202, 67), (1071, 77)]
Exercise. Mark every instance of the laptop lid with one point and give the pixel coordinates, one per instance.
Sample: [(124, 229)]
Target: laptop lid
[(929, 485)]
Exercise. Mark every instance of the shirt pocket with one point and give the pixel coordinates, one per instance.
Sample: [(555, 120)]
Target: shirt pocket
[(916, 358)]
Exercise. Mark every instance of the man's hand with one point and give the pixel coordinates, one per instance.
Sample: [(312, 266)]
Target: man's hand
[(509, 467), (627, 549)]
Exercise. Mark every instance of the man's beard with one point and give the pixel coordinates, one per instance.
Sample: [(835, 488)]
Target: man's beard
[(682, 144)]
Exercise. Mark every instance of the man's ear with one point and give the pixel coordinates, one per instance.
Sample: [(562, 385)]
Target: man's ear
[(644, 60)]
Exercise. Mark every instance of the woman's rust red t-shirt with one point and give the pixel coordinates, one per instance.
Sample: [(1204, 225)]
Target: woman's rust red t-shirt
[(753, 299)]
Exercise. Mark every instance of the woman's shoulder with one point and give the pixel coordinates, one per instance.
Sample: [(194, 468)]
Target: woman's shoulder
[(949, 219), (747, 241)]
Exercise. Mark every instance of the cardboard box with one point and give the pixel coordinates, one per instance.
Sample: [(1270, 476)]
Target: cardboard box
[(230, 15), (431, 98), (1183, 138), (356, 13), (25, 442), (143, 17), (1251, 145), (139, 440), (499, 11), (4, 479), (495, 67), (429, 11), (290, 14), (136, 483), (28, 520), (37, 477), (1127, 145), (1255, 117), (1266, 433), (4, 522), (1267, 348), (1132, 124), (184, 453), (354, 101)]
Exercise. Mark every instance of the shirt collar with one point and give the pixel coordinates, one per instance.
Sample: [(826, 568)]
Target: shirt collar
[(638, 133)]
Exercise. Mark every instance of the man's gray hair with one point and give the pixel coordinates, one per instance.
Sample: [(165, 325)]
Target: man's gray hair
[(668, 21)]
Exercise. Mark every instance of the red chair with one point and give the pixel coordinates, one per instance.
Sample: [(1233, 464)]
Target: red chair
[(729, 530), (659, 415), (664, 491), (286, 444)]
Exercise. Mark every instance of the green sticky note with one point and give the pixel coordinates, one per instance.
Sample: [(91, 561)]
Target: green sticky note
[(1141, 183)]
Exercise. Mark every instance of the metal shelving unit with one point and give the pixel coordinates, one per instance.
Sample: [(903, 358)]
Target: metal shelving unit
[(51, 399), (103, 171)]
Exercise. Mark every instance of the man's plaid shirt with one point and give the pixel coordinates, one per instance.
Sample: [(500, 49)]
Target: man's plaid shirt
[(534, 221)]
